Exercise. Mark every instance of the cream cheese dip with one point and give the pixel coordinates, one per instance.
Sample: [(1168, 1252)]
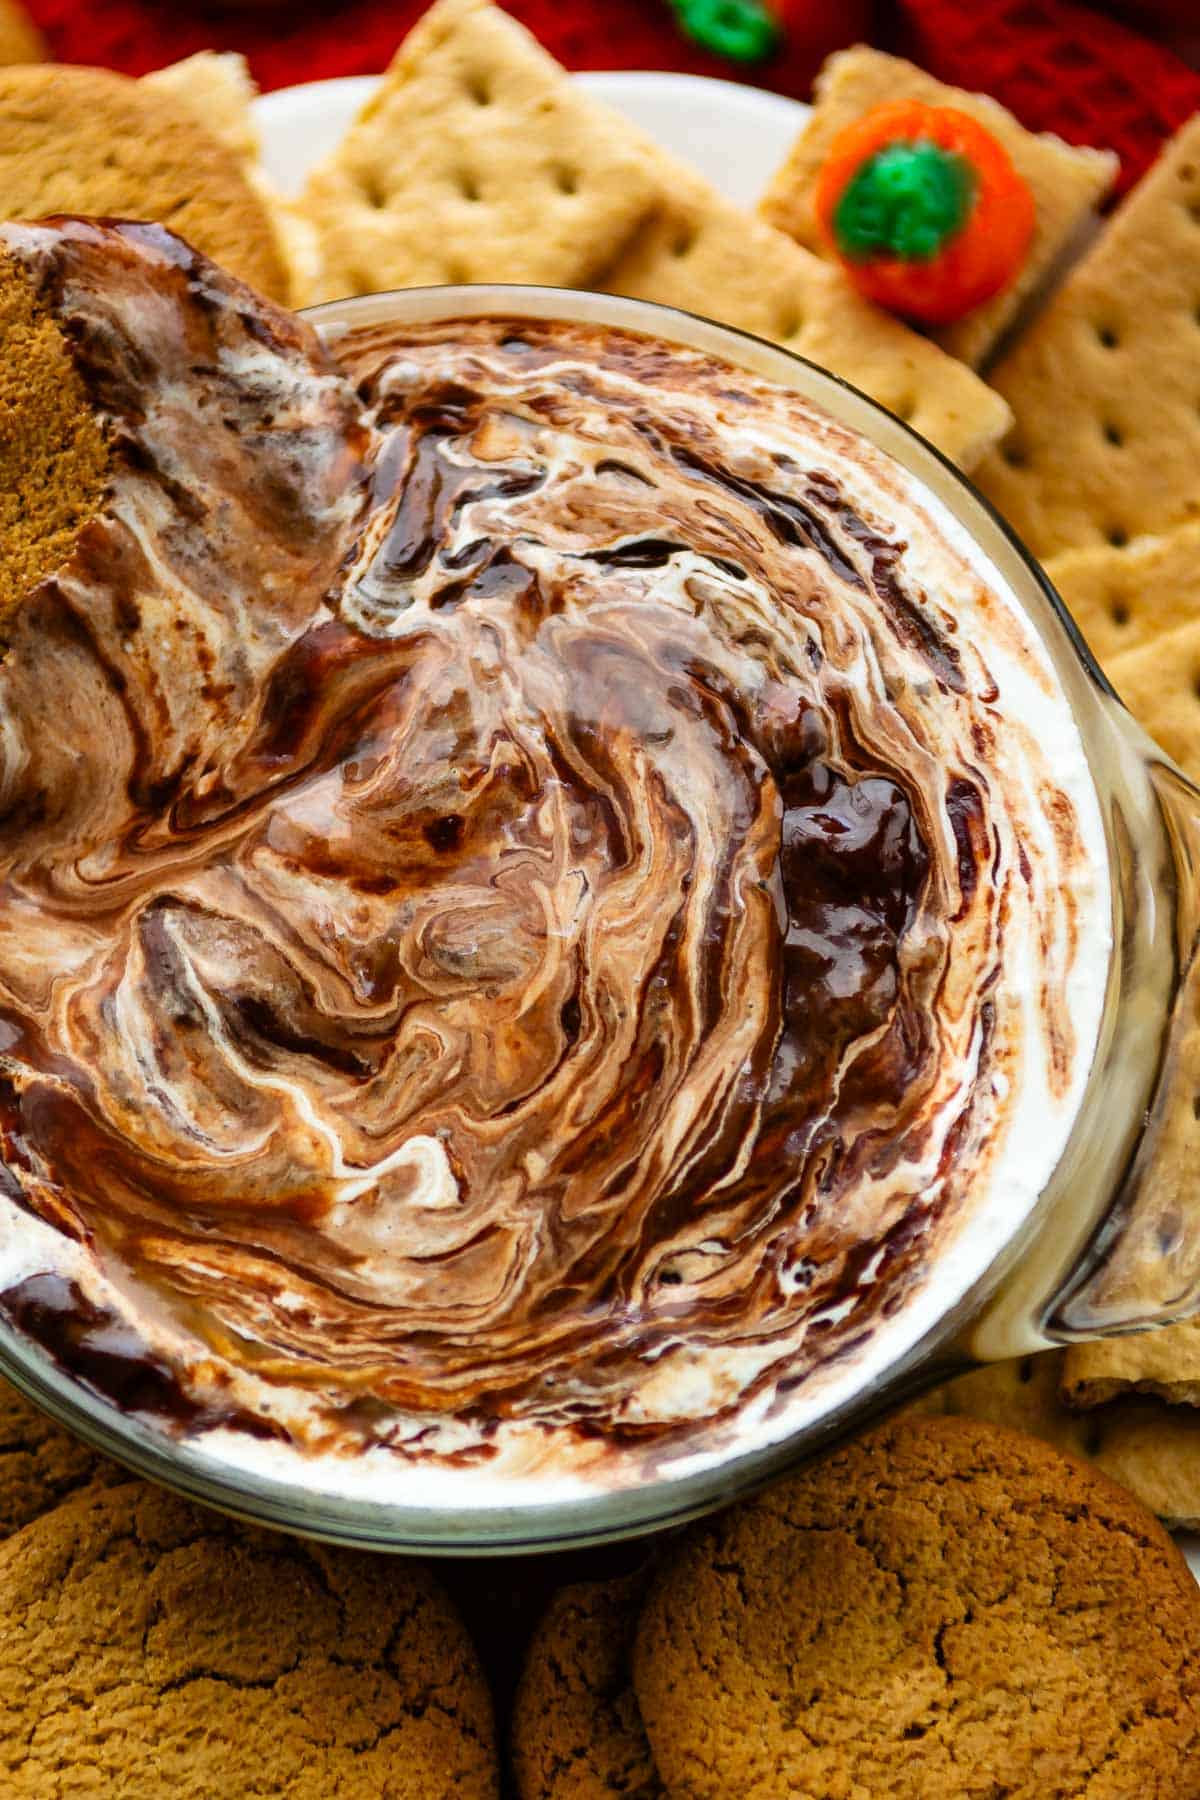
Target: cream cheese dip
[(552, 907)]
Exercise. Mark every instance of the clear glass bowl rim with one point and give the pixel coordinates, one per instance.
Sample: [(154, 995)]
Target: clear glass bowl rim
[(610, 1516)]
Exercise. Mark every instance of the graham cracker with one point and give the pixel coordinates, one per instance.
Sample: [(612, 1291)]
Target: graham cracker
[(1139, 596), (531, 181), (1123, 599), (1139, 607), (1160, 684), (297, 238), (1067, 184), (478, 159), (88, 141), (1160, 1249), (1136, 1398), (20, 39), (218, 88), (1165, 1363), (700, 253), (1150, 1448), (1105, 386), (1140, 610)]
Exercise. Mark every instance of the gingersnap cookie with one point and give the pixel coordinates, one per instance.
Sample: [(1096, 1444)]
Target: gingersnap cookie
[(941, 1607), (577, 1733), (88, 141), (53, 460), (1140, 1441), (151, 1648), (40, 1463)]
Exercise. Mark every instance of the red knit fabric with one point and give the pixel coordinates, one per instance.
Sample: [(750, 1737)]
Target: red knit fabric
[(1059, 65), (305, 41)]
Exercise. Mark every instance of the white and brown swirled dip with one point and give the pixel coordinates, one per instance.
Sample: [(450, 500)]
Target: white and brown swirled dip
[(551, 908)]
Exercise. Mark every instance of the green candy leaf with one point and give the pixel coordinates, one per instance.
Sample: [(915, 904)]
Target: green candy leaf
[(742, 30), (908, 200)]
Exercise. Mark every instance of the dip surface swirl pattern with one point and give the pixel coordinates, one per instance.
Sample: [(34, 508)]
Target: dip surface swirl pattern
[(523, 911)]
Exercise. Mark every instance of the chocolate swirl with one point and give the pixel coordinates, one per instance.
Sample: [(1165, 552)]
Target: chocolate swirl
[(511, 875)]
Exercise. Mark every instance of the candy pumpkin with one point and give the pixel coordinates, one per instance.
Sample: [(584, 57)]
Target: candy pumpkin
[(924, 209)]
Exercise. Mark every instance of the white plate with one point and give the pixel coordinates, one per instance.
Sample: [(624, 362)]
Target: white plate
[(737, 136)]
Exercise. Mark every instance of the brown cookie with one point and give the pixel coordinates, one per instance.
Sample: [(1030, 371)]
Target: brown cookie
[(1149, 1447), (53, 461), (577, 1733), (40, 1463), (152, 1649), (941, 1608), (88, 141)]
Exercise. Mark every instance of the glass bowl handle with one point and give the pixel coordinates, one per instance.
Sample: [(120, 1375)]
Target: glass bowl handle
[(1116, 1248), (1142, 1266)]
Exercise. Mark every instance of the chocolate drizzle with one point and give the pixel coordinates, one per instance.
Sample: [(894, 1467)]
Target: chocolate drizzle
[(109, 1358), (494, 926)]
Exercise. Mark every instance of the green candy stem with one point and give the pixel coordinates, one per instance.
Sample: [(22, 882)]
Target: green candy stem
[(907, 200), (740, 29)]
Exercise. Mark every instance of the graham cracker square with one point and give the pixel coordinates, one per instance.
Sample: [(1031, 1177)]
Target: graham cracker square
[(700, 253), (1126, 598), (1160, 684), (1105, 387), (1067, 184), (218, 88), (478, 159), (1166, 1363)]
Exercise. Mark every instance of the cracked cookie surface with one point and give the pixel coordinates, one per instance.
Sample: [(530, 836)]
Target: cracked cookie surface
[(150, 1648), (940, 1608), (577, 1733), (40, 1463)]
